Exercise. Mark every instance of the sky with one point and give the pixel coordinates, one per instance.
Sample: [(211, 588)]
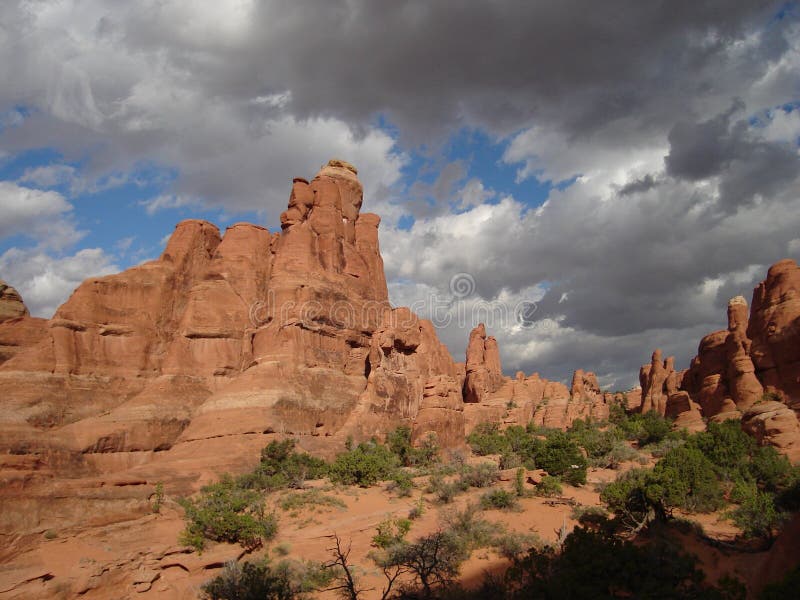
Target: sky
[(614, 172)]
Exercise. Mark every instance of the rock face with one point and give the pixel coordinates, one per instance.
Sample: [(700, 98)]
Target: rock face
[(734, 368), (774, 329), (11, 305), (774, 423)]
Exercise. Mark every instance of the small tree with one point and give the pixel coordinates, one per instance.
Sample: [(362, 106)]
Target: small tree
[(433, 561), (348, 583)]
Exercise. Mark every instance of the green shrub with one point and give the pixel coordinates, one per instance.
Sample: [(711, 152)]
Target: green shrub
[(595, 441), (391, 532), (510, 460), (635, 498), (726, 446), (446, 491), (595, 564), (470, 530), (562, 457), (365, 465), (402, 483), (654, 428), (433, 561), (513, 544), (588, 514), (281, 466), (252, 580), (488, 439), (757, 515), (225, 512), (418, 510), (649, 428), (310, 498), (549, 486), (771, 469), (523, 442), (617, 414), (158, 498), (618, 454), (519, 483), (399, 442), (499, 499), (480, 475), (660, 449), (688, 480), (261, 580), (427, 453)]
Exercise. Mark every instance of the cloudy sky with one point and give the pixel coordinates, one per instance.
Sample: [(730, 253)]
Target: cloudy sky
[(619, 173)]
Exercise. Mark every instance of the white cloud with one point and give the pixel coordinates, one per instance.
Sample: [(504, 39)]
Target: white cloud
[(167, 201), (41, 215), (49, 176), (46, 281)]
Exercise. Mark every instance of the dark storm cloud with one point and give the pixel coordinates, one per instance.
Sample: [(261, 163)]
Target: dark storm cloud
[(432, 65), (748, 165), (642, 184), (200, 87)]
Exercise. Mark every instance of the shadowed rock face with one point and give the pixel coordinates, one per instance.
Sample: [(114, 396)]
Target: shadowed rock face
[(735, 367)]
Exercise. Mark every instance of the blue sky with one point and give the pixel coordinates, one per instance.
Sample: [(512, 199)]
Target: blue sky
[(628, 169)]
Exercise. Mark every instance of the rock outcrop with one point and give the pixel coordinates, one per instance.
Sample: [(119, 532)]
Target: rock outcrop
[(774, 423), (11, 304), (484, 375), (741, 371)]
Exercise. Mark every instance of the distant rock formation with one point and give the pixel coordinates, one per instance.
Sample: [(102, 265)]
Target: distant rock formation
[(18, 330), (734, 368), (489, 396), (11, 304)]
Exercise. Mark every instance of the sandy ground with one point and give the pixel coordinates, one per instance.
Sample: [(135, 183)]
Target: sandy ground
[(141, 558)]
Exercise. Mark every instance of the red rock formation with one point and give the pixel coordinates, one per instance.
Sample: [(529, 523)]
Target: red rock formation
[(231, 338), (774, 329), (734, 367), (685, 412), (656, 380), (484, 375)]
